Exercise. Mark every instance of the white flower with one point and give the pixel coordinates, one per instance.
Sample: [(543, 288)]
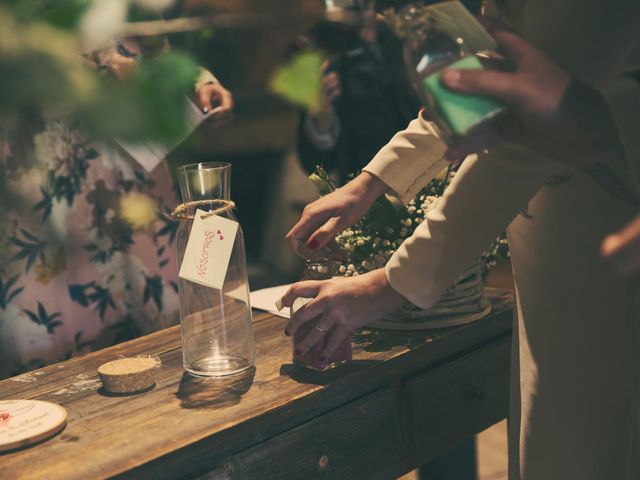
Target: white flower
[(386, 243), (411, 209), (403, 232), (342, 269), (351, 267), (360, 242)]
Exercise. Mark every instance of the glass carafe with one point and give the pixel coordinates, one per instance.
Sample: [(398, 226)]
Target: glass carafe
[(439, 36), (216, 324)]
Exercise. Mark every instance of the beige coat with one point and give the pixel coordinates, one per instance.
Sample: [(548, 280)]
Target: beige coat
[(576, 358)]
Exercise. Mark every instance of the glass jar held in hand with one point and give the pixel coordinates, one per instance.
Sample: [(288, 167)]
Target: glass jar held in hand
[(438, 37)]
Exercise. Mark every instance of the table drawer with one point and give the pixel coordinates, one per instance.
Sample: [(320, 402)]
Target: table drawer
[(356, 440), (458, 399)]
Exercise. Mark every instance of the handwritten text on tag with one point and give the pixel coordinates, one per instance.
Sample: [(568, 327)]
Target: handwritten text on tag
[(208, 251)]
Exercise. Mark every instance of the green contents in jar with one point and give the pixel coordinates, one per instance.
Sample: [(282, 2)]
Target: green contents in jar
[(461, 111)]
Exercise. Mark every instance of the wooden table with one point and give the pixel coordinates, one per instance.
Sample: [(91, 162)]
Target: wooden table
[(405, 398)]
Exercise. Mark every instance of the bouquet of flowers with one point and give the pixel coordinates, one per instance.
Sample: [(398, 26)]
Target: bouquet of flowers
[(370, 243)]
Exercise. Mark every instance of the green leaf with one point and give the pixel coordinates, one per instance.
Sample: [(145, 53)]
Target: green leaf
[(300, 80)]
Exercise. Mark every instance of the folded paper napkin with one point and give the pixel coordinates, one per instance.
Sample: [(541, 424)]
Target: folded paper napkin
[(266, 298)]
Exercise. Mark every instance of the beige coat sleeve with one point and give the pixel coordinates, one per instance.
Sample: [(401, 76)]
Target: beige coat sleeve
[(410, 160), (484, 197)]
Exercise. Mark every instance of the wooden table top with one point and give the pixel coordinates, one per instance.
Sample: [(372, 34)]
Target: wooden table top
[(157, 433)]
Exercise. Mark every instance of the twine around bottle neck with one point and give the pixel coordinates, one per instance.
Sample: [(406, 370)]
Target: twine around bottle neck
[(182, 211)]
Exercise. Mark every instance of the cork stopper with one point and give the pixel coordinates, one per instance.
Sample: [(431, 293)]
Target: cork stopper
[(128, 375)]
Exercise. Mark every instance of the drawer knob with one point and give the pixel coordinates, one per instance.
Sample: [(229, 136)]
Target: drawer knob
[(323, 462)]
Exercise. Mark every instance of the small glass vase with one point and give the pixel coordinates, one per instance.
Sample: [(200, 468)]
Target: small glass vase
[(216, 324), (318, 269)]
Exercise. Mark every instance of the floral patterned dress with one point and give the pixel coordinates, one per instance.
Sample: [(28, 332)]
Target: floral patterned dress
[(86, 250)]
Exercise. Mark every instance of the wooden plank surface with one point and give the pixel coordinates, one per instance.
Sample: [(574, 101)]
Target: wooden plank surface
[(186, 426)]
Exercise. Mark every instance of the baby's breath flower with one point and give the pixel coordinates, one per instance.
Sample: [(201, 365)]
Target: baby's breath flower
[(342, 269)]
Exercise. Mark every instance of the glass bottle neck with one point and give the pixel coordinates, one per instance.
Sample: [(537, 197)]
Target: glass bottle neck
[(204, 181)]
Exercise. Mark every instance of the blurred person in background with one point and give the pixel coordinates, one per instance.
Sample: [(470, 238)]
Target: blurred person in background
[(87, 256)]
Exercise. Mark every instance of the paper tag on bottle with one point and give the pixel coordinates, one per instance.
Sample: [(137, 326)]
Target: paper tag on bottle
[(208, 251)]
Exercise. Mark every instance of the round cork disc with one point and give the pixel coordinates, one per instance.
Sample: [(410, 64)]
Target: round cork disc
[(128, 375), (25, 422)]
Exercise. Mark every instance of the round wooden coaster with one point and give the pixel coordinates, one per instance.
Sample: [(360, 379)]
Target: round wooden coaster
[(25, 422)]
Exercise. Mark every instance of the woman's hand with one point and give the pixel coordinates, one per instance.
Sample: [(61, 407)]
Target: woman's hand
[(622, 250), (214, 98), (324, 218), (551, 114), (534, 91), (339, 306)]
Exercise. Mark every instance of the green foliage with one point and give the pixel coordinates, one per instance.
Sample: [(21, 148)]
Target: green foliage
[(149, 104), (42, 72), (300, 80), (63, 14)]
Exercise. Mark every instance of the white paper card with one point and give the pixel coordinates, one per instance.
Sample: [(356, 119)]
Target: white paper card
[(150, 154), (208, 252)]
